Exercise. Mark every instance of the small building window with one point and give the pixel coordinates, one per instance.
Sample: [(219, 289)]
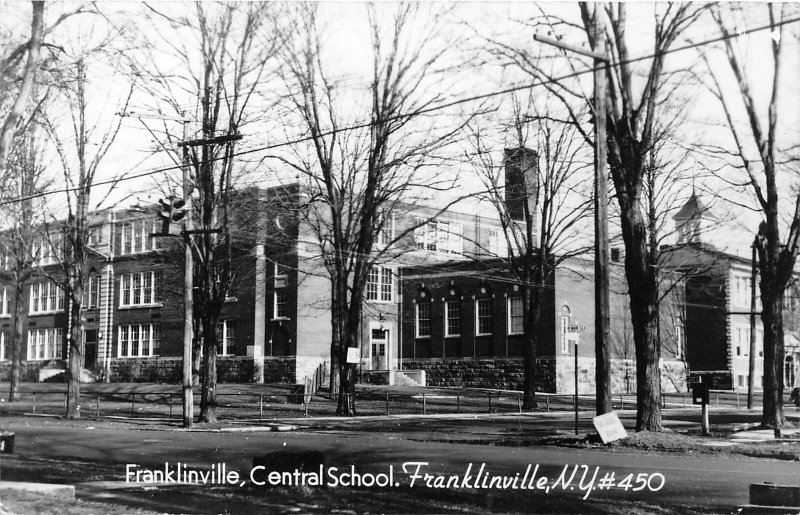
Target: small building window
[(423, 320), (483, 317), (515, 316), (452, 313)]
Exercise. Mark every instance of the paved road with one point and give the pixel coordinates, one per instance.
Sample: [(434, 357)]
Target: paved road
[(688, 480)]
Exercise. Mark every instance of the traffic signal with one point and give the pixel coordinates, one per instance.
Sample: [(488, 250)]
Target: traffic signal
[(171, 210)]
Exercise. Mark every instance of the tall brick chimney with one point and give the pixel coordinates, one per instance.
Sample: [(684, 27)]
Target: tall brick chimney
[(521, 169)]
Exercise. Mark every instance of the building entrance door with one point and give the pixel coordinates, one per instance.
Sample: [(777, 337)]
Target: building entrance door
[(379, 339), (90, 348)]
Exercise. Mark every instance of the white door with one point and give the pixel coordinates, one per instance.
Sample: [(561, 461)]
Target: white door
[(379, 339)]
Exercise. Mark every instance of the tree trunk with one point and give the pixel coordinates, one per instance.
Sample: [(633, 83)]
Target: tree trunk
[(34, 49), (772, 320), (532, 305), (16, 344), (347, 385), (643, 292), (208, 392), (75, 345)]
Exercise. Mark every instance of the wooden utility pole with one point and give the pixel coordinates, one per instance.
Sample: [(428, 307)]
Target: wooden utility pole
[(188, 286), (601, 303), (601, 296)]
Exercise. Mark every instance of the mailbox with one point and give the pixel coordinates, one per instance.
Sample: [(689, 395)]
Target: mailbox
[(700, 393)]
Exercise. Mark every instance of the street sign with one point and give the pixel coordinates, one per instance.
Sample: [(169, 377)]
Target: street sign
[(609, 427), (353, 355)]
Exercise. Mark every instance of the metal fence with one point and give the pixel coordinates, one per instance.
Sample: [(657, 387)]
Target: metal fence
[(245, 406)]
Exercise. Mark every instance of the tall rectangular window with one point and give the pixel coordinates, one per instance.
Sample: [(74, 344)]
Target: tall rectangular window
[(281, 303), (91, 292), (139, 289), (452, 313), (226, 337), (5, 294), (678, 338), (564, 342), (4, 346), (515, 316), (386, 233), (44, 344), (423, 320), (483, 316), (138, 340), (379, 285)]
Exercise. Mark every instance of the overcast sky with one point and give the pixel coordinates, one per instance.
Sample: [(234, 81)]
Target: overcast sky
[(467, 33)]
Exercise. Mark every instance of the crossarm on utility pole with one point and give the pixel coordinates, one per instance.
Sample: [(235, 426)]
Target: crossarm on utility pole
[(570, 48)]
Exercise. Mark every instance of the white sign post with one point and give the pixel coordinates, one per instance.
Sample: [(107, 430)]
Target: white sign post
[(609, 427)]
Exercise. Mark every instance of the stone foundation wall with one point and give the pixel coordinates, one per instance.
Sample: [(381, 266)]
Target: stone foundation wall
[(623, 376), (230, 369), (29, 372), (505, 374)]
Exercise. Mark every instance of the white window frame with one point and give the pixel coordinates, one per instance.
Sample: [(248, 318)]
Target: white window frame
[(3, 346), (417, 333), (380, 286), (226, 337), (138, 231), (440, 236), (478, 317), (91, 292), (45, 298), (678, 331), (133, 289), (144, 347), (510, 317), (44, 344), (5, 302), (386, 234), (497, 243), (447, 318)]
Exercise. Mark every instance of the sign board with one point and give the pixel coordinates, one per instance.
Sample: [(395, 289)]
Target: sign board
[(700, 394), (353, 354), (609, 427)]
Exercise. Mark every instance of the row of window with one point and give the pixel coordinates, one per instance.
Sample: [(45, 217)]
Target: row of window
[(136, 289), (484, 318), (133, 341)]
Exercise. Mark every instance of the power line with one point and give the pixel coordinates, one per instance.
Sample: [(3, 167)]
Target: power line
[(427, 110)]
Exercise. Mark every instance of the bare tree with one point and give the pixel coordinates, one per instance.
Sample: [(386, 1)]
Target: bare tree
[(218, 65), (25, 182), (357, 176), (32, 48), (541, 216), (760, 136), (638, 94), (79, 165)]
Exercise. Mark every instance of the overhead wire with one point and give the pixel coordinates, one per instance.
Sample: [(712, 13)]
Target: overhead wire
[(422, 111)]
